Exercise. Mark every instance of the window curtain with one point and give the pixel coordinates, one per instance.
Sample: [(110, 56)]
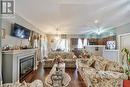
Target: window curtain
[(85, 42), (63, 44), (80, 44)]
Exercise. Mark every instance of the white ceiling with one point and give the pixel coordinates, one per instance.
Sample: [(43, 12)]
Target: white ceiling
[(74, 16)]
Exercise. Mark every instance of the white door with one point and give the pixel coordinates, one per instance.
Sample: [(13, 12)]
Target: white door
[(125, 41)]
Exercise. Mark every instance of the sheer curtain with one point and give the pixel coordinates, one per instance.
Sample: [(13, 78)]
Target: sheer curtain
[(63, 44), (85, 42), (80, 44)]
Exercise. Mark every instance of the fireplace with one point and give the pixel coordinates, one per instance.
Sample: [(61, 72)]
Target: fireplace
[(26, 66)]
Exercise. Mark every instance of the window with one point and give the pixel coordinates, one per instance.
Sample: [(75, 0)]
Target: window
[(63, 44), (85, 43)]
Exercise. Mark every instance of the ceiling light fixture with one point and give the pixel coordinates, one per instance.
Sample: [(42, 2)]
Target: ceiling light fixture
[(99, 31), (58, 36), (96, 21)]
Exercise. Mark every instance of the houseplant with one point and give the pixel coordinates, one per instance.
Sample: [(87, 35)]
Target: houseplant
[(126, 57)]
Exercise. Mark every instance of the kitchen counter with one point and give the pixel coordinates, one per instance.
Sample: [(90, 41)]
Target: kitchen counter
[(95, 49), (112, 50), (112, 55), (100, 50), (96, 46)]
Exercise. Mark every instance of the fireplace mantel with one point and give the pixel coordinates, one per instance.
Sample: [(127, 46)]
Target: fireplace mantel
[(11, 61), (18, 51)]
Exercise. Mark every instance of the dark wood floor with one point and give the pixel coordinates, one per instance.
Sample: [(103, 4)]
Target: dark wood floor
[(41, 73)]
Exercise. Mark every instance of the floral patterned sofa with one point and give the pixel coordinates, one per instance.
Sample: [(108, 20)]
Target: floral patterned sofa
[(68, 57), (100, 72)]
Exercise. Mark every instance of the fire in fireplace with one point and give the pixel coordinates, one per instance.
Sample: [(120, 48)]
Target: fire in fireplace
[(26, 66)]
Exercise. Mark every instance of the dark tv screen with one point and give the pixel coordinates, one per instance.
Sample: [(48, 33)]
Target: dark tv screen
[(20, 31)]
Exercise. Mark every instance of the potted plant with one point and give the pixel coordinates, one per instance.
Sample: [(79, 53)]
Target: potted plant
[(129, 60)]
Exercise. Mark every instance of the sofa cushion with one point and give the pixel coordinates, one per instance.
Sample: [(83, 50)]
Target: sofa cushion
[(113, 66), (90, 62), (100, 65), (87, 62), (84, 61)]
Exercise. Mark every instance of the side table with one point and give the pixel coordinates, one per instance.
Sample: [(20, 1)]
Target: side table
[(126, 83)]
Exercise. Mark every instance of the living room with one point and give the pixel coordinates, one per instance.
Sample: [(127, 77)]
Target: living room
[(68, 43)]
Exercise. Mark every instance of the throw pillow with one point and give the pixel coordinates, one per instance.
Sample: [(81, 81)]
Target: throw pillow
[(90, 62), (113, 66), (100, 65)]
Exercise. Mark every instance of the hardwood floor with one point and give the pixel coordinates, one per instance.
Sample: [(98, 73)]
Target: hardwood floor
[(41, 73)]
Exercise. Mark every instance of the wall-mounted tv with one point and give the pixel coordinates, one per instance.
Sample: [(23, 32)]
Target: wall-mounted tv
[(20, 31)]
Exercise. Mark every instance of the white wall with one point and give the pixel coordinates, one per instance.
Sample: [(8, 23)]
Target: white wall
[(10, 40)]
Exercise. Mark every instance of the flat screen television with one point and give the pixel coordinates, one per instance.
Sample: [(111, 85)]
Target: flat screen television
[(20, 31)]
